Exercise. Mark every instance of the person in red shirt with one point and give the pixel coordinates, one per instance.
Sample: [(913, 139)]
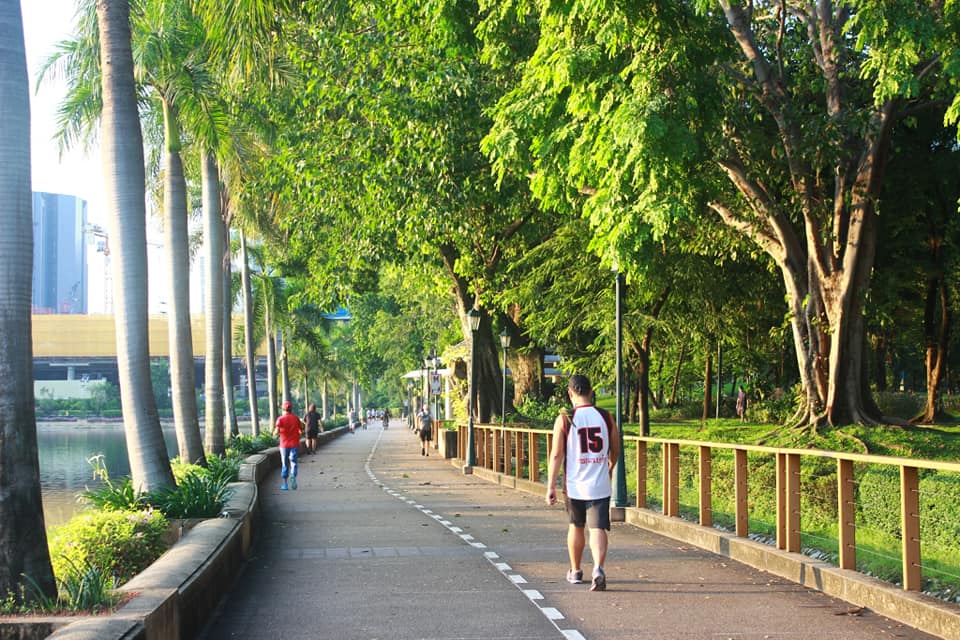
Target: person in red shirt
[(288, 429)]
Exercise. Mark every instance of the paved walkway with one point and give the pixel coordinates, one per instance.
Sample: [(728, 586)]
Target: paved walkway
[(381, 543)]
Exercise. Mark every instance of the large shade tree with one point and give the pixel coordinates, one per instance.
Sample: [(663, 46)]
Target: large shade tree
[(777, 115), (25, 570)]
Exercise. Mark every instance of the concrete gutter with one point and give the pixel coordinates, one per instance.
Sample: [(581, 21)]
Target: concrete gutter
[(175, 596), (923, 612)]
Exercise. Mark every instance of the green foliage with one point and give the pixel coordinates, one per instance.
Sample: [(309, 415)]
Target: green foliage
[(119, 543), (197, 495), (224, 468), (115, 494), (86, 587), (776, 408), (900, 405), (539, 410), (244, 445)]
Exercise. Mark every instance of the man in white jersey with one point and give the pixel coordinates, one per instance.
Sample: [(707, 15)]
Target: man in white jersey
[(587, 443)]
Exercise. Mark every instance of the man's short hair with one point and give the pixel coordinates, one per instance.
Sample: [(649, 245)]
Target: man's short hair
[(580, 385)]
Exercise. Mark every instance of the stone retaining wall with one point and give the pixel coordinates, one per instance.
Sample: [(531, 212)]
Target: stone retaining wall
[(175, 596)]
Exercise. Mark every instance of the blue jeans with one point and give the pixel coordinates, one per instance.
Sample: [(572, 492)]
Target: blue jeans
[(288, 462)]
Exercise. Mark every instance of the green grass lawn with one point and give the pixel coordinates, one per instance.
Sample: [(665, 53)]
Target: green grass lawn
[(878, 549)]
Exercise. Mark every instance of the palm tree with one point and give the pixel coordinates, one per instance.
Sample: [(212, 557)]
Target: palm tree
[(169, 61), (81, 60), (213, 242), (248, 335), (24, 557), (125, 192)]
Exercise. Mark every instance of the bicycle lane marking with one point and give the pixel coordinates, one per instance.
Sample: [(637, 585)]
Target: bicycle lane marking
[(517, 580)]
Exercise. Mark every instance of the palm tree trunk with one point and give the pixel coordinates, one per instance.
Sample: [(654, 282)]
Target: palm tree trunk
[(248, 336), (213, 239), (284, 366), (24, 557), (233, 428), (122, 147), (182, 377), (271, 366)]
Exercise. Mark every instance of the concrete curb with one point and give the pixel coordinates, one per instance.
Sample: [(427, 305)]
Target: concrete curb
[(917, 610), (175, 596)]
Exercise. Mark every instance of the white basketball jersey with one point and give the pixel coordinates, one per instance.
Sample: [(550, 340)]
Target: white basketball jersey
[(587, 472)]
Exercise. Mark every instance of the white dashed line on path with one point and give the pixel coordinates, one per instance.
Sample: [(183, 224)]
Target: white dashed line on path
[(551, 613)]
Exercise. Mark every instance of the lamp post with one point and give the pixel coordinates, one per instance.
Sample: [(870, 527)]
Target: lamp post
[(620, 485), (409, 416), (474, 317), (505, 343)]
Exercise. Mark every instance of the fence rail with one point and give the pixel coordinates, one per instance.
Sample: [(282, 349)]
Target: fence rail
[(519, 451)]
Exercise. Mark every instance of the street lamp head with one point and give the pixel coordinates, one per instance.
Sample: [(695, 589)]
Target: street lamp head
[(474, 316), (505, 339)]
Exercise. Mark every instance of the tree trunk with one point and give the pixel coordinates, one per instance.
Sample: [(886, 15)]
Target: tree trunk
[(642, 370), (826, 260), (937, 340), (213, 240), (526, 369), (284, 366), (24, 557), (230, 407), (175, 223), (707, 386), (124, 180), (323, 399), (271, 366), (248, 336), (676, 374)]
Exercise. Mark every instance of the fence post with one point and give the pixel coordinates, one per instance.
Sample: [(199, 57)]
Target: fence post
[(910, 518), (793, 502), (641, 475), (740, 492), (846, 517), (518, 438), (671, 479), (706, 484), (781, 501), (534, 448)]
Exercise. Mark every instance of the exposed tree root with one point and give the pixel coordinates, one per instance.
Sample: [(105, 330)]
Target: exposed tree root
[(860, 443)]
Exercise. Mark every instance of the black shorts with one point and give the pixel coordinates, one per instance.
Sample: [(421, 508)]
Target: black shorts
[(592, 513), (313, 433), (425, 434)]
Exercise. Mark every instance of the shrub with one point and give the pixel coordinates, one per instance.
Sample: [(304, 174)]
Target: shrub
[(116, 495), (226, 468), (120, 543), (86, 588), (687, 410), (197, 495), (774, 408), (899, 404), (539, 411)]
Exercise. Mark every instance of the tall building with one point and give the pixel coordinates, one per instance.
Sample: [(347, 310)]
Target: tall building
[(59, 254)]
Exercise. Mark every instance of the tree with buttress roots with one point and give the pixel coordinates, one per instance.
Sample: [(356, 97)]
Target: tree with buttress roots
[(772, 117)]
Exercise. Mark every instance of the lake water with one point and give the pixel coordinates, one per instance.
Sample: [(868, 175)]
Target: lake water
[(64, 471)]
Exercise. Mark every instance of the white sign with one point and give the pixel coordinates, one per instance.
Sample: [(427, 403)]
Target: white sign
[(435, 384)]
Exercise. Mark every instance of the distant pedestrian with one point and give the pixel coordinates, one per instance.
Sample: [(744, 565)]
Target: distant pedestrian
[(314, 428), (353, 420), (587, 444), (288, 428), (425, 421), (742, 404), (386, 418)]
